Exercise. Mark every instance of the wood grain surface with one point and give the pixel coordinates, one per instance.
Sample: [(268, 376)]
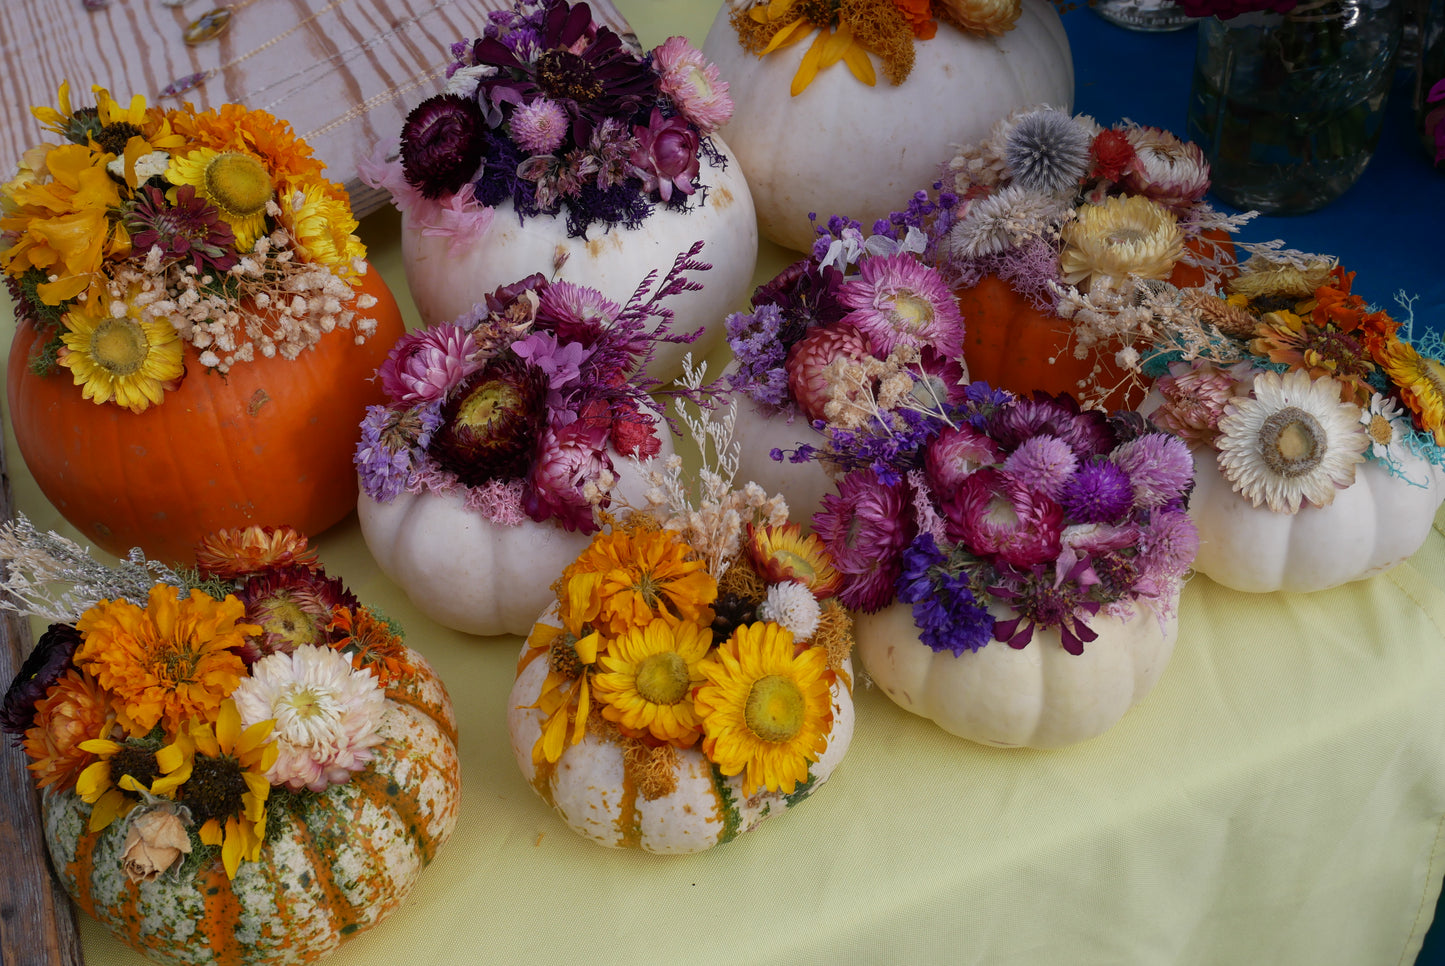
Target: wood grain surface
[(345, 73)]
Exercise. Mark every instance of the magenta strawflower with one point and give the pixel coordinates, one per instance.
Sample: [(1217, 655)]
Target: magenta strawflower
[(687, 77), (898, 300), (1194, 401), (426, 364), (866, 526), (955, 453), (1043, 463), (666, 155), (994, 515), (566, 461)]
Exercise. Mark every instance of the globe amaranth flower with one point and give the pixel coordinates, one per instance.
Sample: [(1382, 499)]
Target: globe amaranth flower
[(424, 365), (1044, 463), (633, 432), (693, 84), (567, 461), (865, 526), (539, 127), (811, 355), (43, 666), (1098, 492), (1160, 467), (666, 155), (186, 229), (1167, 548), (1111, 153), (442, 144), (994, 515), (898, 300)]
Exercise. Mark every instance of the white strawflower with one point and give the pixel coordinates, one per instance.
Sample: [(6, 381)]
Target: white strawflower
[(793, 606), (326, 714)]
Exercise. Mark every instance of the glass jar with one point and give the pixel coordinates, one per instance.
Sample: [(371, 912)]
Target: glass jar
[(1288, 108), (1149, 15)]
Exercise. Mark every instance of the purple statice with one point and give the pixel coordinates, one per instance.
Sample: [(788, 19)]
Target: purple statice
[(760, 354), (47, 661), (948, 616), (1160, 467), (1044, 463), (889, 450), (391, 443), (866, 525), (1098, 492)]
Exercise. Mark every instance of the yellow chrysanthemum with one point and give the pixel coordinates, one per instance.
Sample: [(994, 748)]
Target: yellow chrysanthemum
[(647, 679), (1422, 384), (766, 711), (625, 580), (1123, 236), (565, 696), (128, 359), (74, 710), (322, 223), (175, 660), (238, 183), (225, 784)]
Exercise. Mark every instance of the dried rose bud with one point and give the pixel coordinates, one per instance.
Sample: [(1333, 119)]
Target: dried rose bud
[(155, 840)]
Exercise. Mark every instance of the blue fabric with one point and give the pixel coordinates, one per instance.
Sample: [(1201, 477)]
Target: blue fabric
[(1387, 228)]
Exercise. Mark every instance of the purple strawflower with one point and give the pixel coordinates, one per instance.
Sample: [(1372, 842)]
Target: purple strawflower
[(866, 525), (442, 144), (1098, 492), (1044, 463), (1160, 467), (955, 453), (665, 158), (426, 364), (566, 461), (47, 661), (994, 515)]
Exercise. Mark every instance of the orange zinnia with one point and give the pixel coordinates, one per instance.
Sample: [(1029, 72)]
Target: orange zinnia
[(74, 709), (370, 643), (625, 580), (232, 127)]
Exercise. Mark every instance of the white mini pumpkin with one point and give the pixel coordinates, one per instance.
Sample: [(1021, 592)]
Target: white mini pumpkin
[(841, 147), (445, 284), (470, 574), (1039, 696), (803, 485), (1377, 522), (588, 786)]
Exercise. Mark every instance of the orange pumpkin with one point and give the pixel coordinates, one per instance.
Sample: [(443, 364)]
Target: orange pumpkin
[(270, 442), (1012, 345)]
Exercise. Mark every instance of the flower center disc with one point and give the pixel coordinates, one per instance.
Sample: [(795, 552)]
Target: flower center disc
[(563, 74), (912, 314), (119, 346), (663, 678), (775, 708), (1381, 431), (239, 184), (1291, 442), (1126, 235)]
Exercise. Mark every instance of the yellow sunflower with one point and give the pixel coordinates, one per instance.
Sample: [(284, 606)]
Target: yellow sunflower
[(177, 659), (225, 784), (766, 711), (323, 225), (1123, 236), (1422, 383), (74, 710), (627, 579), (128, 359), (565, 696), (647, 679), (238, 183), (126, 766)]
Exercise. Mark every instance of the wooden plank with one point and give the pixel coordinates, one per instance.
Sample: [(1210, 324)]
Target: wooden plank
[(37, 919), (345, 73)]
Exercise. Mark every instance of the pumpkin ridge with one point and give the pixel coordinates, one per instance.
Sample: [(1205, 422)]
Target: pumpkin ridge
[(432, 712), (406, 802), (629, 816), (726, 805), (223, 909), (324, 871)]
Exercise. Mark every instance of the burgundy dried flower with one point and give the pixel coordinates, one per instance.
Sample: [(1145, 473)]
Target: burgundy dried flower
[(491, 422), (866, 526), (442, 144), (666, 155), (567, 459), (994, 515), (47, 661), (191, 228), (293, 606)]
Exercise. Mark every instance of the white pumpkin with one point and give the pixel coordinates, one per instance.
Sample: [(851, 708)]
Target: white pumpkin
[(470, 574), (841, 147), (1039, 696), (803, 485), (588, 787), (446, 284), (1372, 525)]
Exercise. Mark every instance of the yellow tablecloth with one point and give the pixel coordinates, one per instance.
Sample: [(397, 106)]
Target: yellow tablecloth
[(1278, 799)]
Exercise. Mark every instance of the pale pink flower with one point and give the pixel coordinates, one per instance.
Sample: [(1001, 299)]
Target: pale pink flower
[(459, 218), (1165, 169), (326, 715), (812, 354), (693, 84), (539, 126), (897, 300), (424, 365)]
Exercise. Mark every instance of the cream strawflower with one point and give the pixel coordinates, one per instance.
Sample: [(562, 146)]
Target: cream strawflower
[(1123, 236), (792, 605), (326, 714), (1295, 440)]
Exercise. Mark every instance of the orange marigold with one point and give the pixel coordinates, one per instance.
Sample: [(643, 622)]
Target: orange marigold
[(237, 551), (232, 127), (177, 659), (74, 709)]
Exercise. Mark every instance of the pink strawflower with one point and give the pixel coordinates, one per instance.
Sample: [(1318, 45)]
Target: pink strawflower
[(1194, 401), (540, 126), (897, 300), (812, 354), (1160, 468), (866, 528), (567, 460), (693, 84), (461, 219), (326, 715), (1043, 463), (955, 453), (425, 364), (994, 515), (1166, 169), (666, 155), (577, 313)]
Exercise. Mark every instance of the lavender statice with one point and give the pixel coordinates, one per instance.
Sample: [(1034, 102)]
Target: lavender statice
[(760, 355), (391, 443)]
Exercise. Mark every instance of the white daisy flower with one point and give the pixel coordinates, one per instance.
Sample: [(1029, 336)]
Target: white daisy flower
[(1294, 440), (1388, 430)]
